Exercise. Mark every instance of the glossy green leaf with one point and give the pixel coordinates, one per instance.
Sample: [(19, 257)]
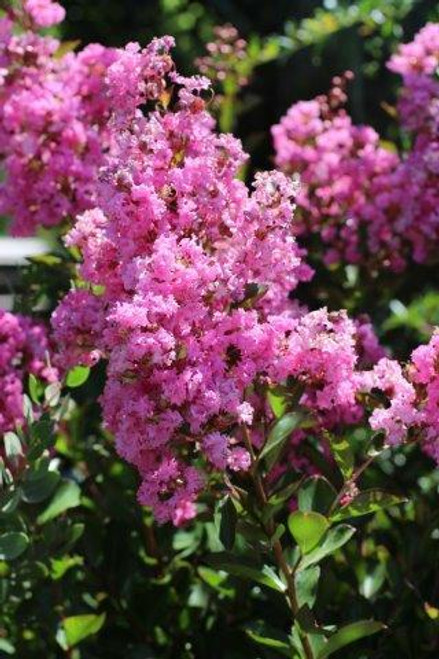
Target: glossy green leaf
[(350, 634), (307, 529), (316, 494), (39, 485), (278, 402), (13, 447), (35, 388), (334, 539), (28, 410), (12, 545), (265, 575), (9, 500), (343, 454), (306, 582), (369, 501), (52, 394), (77, 376), (267, 636), (78, 628), (59, 566), (66, 496), (279, 434)]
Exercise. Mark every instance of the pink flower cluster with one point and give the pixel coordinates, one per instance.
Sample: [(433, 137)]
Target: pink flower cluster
[(349, 183), (366, 204), (411, 409), (417, 63), (418, 106), (24, 349), (424, 373), (194, 321), (186, 274), (226, 55), (53, 116), (44, 13)]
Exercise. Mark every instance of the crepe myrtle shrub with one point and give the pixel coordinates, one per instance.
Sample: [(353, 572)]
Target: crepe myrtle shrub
[(251, 422)]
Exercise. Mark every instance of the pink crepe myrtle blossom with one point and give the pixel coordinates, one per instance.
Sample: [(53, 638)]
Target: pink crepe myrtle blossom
[(44, 13), (347, 180), (366, 204), (24, 350), (53, 117), (417, 63), (194, 322), (424, 373)]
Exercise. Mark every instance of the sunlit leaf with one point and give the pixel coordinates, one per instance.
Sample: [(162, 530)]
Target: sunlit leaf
[(333, 540), (77, 376), (342, 452), (78, 628), (349, 634), (307, 528), (279, 434), (369, 501), (265, 575), (67, 496)]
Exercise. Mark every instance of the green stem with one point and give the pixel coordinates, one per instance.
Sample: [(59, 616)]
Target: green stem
[(278, 552)]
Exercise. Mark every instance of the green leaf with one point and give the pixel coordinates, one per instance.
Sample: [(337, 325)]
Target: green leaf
[(78, 628), (35, 388), (28, 410), (72, 535), (9, 500), (64, 48), (6, 647), (59, 566), (373, 579), (67, 496), (12, 545), (369, 501), (350, 634), (331, 541), (279, 434), (77, 376), (41, 437), (227, 523), (13, 447), (307, 529), (342, 452), (278, 401), (52, 394), (39, 484), (269, 637), (265, 576), (316, 494), (306, 585)]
